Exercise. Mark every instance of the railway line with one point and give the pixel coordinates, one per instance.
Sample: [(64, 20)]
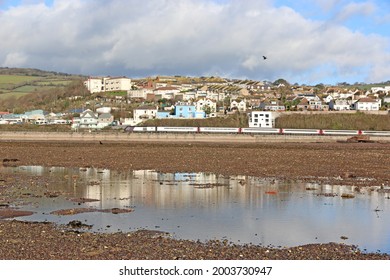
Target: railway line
[(253, 131)]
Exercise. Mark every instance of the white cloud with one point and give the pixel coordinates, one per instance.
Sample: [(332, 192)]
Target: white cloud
[(15, 59), (187, 37), (354, 9), (328, 5)]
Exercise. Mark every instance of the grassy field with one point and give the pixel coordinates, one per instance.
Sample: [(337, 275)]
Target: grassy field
[(54, 83), (12, 94), (15, 79), (16, 86)]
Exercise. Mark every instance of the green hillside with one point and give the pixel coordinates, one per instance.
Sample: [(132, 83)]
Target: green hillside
[(18, 82)]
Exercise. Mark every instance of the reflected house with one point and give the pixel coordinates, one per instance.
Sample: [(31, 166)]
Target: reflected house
[(235, 208), (184, 176), (35, 169)]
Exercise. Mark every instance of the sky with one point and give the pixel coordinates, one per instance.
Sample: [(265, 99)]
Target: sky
[(305, 41)]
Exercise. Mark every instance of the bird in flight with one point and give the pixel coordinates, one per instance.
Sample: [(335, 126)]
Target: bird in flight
[(264, 57)]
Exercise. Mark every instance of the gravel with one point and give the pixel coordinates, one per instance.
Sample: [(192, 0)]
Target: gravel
[(360, 164)]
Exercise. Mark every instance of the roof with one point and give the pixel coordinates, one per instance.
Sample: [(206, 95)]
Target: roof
[(105, 116), (366, 99), (88, 114), (167, 88), (304, 101), (146, 107)]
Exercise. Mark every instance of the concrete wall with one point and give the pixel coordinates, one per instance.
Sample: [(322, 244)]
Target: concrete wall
[(167, 137)]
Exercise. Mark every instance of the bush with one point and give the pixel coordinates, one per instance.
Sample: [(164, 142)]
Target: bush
[(355, 121)]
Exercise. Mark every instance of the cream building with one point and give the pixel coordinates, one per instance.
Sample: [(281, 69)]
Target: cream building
[(108, 84)]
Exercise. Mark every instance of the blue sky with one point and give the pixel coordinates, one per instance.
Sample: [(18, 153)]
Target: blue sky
[(308, 42)]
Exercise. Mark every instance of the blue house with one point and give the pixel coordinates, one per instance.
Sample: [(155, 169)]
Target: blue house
[(163, 115), (182, 110), (185, 111)]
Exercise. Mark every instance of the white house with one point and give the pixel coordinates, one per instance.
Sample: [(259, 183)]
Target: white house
[(189, 95), (139, 93), (340, 104), (378, 89), (202, 104), (262, 119), (241, 106), (367, 104), (167, 92), (105, 119), (143, 113), (328, 98), (88, 118), (273, 105)]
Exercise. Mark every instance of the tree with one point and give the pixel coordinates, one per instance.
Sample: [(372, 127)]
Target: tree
[(281, 81), (207, 109)]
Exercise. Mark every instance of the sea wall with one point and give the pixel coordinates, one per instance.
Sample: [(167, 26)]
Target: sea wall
[(167, 137)]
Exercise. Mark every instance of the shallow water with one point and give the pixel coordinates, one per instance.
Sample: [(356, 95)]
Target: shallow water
[(241, 209)]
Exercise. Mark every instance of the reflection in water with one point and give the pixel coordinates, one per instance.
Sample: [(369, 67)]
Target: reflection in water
[(208, 206)]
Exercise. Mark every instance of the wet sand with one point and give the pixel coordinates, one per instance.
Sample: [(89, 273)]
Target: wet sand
[(360, 164)]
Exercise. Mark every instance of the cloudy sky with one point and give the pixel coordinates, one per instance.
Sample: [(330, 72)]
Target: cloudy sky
[(306, 41)]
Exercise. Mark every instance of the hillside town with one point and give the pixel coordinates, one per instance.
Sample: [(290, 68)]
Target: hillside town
[(199, 98)]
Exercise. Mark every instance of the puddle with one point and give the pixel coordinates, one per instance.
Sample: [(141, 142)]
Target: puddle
[(203, 206)]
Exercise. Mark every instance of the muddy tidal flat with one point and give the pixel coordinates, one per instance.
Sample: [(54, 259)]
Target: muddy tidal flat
[(357, 164)]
